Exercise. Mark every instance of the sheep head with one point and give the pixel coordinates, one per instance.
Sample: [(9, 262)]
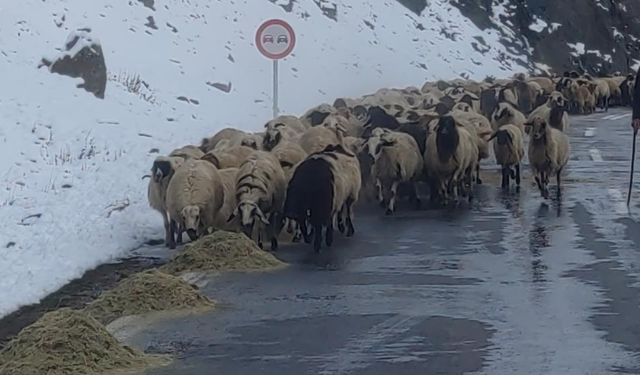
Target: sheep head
[(190, 216), (161, 168), (538, 128), (248, 211)]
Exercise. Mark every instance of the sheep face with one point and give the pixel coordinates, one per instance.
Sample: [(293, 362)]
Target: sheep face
[(250, 141), (160, 170), (447, 138), (272, 137), (463, 106), (248, 212), (191, 219), (538, 129), (557, 100)]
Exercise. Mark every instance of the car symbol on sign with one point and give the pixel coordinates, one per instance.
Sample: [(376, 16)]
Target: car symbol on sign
[(267, 39), (283, 39)]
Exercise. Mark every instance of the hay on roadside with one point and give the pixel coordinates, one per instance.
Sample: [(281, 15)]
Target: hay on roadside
[(146, 292), (68, 342), (222, 251)]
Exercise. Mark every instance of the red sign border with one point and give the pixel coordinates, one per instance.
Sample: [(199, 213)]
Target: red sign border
[(266, 53)]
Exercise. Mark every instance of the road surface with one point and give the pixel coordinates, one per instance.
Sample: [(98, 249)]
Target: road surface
[(511, 285)]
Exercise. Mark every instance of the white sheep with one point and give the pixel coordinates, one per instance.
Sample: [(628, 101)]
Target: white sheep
[(188, 152), (508, 148), (228, 157), (282, 128), (162, 171), (479, 126), (195, 196), (260, 191), (506, 113), (397, 160), (317, 138), (232, 137), (553, 112), (450, 158), (548, 154)]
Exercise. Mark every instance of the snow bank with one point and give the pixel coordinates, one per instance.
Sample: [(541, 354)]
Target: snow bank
[(71, 194)]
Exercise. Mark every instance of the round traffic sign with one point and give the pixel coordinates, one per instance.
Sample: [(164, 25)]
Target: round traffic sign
[(275, 39)]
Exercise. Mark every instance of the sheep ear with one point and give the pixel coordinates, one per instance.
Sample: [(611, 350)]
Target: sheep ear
[(234, 214), (261, 216), (146, 176)]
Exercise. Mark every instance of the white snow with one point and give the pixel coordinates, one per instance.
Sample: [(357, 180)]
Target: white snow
[(71, 194), (539, 25), (578, 48)]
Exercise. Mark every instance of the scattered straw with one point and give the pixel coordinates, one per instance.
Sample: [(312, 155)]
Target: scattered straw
[(222, 251), (67, 342), (146, 292)]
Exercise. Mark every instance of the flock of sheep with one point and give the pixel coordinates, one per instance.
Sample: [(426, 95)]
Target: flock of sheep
[(307, 173)]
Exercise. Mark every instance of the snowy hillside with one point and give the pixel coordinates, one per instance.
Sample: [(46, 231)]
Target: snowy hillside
[(71, 164)]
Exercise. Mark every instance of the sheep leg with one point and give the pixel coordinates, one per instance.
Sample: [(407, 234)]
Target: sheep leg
[(505, 178), (414, 195), (350, 229), (168, 234), (305, 231), (172, 230), (559, 194), (341, 226), (380, 193), (478, 180), (317, 241), (274, 230), (518, 174), (329, 235), (391, 207), (179, 233)]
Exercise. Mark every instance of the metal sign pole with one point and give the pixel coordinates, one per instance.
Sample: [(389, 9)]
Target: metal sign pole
[(275, 88)]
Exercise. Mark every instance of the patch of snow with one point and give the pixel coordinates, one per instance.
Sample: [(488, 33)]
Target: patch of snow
[(554, 26), (578, 48), (538, 25), (71, 194)]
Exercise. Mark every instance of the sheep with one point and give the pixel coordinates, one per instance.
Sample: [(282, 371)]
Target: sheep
[(553, 112), (506, 113), (317, 138), (228, 157), (195, 196), (546, 84), (323, 190), (603, 94), (282, 128), (480, 127), (508, 148), (586, 100), (351, 128), (450, 158), (614, 89), (254, 141), (315, 116), (188, 152), (289, 154), (488, 101), (233, 136), (548, 154), (228, 179), (527, 93), (397, 160), (260, 189), (162, 171)]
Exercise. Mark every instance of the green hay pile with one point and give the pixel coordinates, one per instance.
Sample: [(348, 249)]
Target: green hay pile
[(146, 292), (67, 342), (222, 251)]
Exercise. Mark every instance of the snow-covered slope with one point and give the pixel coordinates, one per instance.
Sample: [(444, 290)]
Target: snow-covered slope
[(71, 194)]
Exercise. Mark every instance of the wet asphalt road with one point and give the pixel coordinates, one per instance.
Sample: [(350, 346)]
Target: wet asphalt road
[(510, 285)]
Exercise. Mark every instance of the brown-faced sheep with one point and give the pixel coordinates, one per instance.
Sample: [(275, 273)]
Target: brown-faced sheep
[(586, 100), (508, 147), (548, 154)]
